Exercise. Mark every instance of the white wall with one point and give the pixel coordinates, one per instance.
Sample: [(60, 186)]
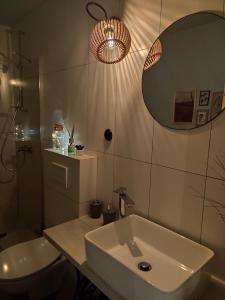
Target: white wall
[(170, 175)]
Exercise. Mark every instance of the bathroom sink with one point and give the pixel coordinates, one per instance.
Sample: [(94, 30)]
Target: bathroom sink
[(144, 261)]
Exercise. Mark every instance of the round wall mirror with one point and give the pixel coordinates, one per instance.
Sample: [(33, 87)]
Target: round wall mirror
[(183, 81)]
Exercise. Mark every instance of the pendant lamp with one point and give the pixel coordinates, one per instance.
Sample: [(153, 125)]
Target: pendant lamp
[(110, 39)]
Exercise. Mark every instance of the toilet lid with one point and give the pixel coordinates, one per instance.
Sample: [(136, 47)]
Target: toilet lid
[(26, 258)]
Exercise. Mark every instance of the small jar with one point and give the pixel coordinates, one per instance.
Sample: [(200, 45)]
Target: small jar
[(109, 215), (72, 149), (95, 209)]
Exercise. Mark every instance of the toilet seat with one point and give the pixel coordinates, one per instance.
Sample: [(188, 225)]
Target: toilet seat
[(26, 258)]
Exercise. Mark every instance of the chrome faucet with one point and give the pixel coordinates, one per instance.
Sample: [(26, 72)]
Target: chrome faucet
[(124, 200)]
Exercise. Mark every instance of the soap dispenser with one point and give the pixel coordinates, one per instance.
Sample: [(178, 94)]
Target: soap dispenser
[(109, 214)]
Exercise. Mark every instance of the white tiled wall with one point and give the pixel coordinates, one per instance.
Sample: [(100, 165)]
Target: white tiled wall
[(169, 174), (177, 200), (134, 125)]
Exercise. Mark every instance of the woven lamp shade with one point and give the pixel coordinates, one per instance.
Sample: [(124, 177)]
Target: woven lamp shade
[(154, 55), (110, 41)]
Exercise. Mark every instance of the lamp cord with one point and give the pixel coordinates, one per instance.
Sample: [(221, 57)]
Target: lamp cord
[(99, 6)]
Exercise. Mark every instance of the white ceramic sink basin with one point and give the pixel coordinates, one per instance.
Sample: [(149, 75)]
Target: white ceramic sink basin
[(115, 250)]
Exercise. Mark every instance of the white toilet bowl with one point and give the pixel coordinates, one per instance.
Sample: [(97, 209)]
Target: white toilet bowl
[(27, 265)]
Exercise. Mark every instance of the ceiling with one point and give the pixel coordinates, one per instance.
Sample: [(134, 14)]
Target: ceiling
[(12, 10)]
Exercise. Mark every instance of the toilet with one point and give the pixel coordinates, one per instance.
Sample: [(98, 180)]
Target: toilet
[(25, 268)]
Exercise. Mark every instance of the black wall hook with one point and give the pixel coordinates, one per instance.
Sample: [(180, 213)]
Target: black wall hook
[(108, 135)]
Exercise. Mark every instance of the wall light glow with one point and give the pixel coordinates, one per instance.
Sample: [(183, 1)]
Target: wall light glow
[(17, 82), (5, 268)]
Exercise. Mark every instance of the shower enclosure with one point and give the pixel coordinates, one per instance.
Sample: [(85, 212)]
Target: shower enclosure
[(20, 160)]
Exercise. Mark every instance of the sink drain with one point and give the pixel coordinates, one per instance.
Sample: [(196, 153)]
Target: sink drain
[(144, 266)]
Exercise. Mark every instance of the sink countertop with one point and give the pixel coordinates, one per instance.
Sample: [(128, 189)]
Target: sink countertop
[(68, 238)]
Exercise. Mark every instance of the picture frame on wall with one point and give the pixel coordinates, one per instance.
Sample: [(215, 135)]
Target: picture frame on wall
[(216, 103), (204, 97), (202, 116), (184, 105)]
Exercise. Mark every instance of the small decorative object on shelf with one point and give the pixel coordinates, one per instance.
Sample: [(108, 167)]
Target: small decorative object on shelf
[(71, 147), (80, 149), (58, 137), (95, 209)]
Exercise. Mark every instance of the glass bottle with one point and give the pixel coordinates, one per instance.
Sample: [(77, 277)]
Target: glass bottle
[(58, 137)]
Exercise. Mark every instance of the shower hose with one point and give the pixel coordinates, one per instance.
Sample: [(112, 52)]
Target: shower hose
[(4, 138)]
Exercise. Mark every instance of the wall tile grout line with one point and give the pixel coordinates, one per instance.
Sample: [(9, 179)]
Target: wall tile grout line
[(65, 69), (150, 178), (115, 134), (68, 68), (42, 3), (178, 170), (87, 114), (153, 127), (215, 178), (205, 183), (160, 17), (156, 164)]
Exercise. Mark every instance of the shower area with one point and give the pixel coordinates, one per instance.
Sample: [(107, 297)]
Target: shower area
[(20, 155)]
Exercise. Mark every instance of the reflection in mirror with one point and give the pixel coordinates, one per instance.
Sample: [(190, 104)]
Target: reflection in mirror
[(154, 55), (183, 79)]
